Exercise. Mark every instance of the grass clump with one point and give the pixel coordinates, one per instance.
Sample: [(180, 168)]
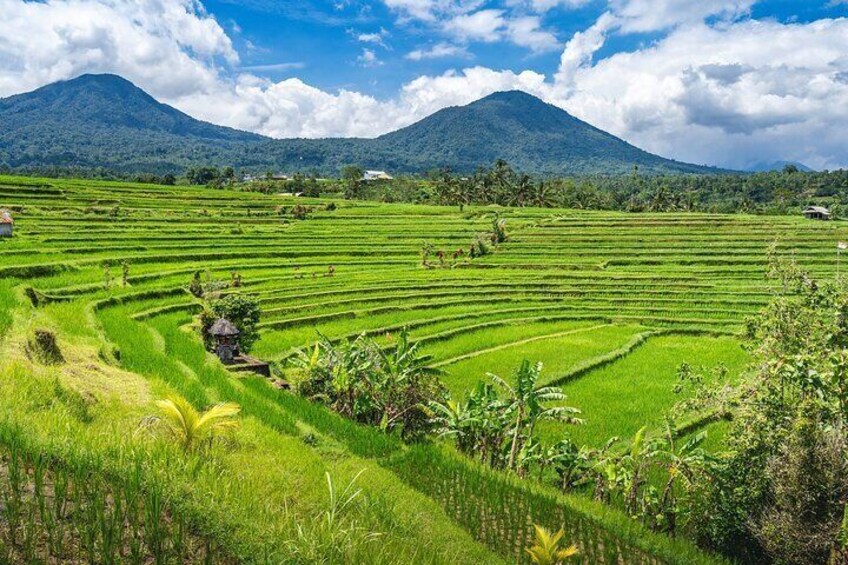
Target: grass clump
[(42, 347)]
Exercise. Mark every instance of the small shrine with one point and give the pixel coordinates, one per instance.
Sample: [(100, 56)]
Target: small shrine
[(225, 335)]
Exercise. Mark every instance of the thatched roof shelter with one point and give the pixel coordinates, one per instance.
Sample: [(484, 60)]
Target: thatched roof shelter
[(817, 213), (223, 328)]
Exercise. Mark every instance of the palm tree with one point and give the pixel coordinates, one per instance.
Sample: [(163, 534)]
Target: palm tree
[(546, 549), (526, 404), (522, 191), (191, 428), (542, 197), (503, 178)]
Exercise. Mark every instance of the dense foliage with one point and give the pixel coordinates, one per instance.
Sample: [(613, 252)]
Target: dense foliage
[(499, 428), (788, 444), (779, 192), (242, 310), (387, 388)]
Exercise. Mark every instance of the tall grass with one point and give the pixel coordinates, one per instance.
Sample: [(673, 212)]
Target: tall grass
[(55, 510), (501, 512)]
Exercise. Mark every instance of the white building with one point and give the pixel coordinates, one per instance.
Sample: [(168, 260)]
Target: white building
[(376, 175)]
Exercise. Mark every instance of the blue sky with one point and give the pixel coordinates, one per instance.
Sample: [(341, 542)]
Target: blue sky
[(730, 83), (318, 41)]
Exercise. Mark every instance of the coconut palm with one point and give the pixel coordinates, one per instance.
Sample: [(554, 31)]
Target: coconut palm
[(526, 405), (522, 191), (546, 549), (542, 195), (191, 428)]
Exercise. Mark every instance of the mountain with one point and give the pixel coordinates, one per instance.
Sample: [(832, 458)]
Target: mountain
[(524, 131), (765, 166), (106, 121)]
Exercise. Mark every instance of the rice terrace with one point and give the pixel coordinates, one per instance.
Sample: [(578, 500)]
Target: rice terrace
[(611, 304), (430, 282)]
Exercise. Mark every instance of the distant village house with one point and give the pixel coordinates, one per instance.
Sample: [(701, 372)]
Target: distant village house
[(6, 223), (817, 213), (376, 175)]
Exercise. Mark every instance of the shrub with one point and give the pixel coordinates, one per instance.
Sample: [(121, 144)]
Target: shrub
[(480, 247), (195, 287), (300, 212), (242, 310), (359, 380)]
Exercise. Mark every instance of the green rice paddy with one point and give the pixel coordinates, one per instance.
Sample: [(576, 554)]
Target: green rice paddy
[(611, 304)]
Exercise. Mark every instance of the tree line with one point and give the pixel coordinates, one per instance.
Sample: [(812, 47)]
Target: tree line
[(776, 192)]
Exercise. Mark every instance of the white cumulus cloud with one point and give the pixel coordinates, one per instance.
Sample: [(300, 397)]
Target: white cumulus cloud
[(441, 49), (171, 46)]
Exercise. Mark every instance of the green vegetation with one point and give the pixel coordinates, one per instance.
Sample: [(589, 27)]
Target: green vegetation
[(787, 442), (612, 305), (547, 550)]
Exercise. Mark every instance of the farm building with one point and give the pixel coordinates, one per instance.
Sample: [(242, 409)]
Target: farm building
[(376, 175), (816, 213), (6, 223)]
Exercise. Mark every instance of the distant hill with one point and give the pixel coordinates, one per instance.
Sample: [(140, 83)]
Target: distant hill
[(526, 132), (765, 167), (106, 121)]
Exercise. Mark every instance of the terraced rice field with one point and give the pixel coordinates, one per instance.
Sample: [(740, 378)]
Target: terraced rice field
[(568, 288), (611, 304)]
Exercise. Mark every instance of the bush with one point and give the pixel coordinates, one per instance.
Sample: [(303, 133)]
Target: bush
[(779, 493), (359, 380), (300, 212), (242, 310)]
